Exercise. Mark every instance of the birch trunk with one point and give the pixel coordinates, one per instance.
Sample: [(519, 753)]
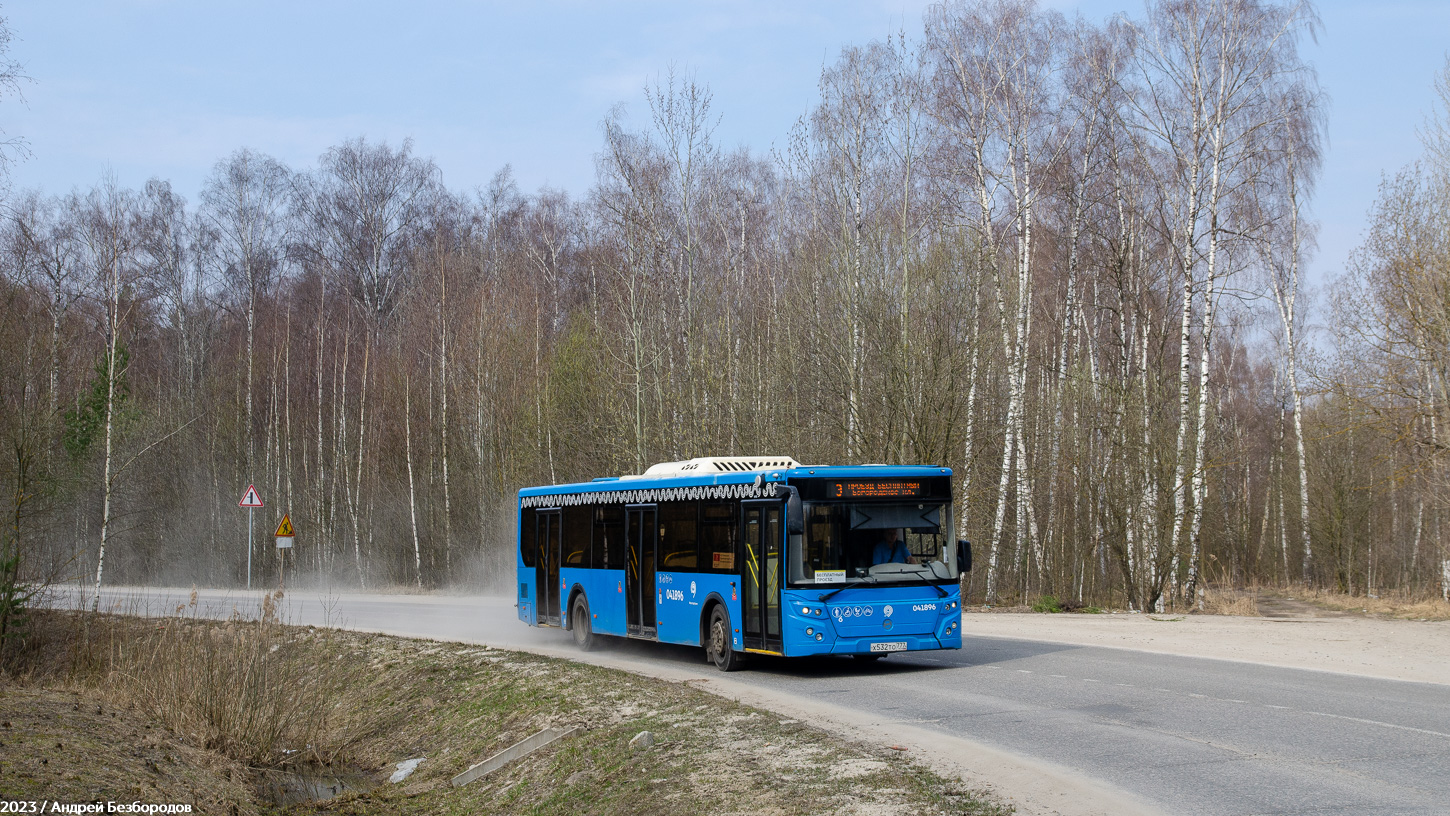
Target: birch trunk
[(112, 340), (443, 417), (412, 492)]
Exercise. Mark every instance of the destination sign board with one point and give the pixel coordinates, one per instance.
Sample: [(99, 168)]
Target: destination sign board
[(876, 489)]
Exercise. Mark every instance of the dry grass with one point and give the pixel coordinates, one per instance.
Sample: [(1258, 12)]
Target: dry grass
[(256, 691), (1396, 604), (1229, 602)]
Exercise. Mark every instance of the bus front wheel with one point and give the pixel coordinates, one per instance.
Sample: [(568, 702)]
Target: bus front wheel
[(582, 628), (717, 646)]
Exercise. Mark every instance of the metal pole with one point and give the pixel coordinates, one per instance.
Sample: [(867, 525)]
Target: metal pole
[(249, 547)]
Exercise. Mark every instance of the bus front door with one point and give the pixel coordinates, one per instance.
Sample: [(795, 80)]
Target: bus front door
[(760, 595), (639, 571), (546, 565)]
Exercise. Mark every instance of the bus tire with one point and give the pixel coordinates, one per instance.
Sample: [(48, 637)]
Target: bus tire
[(717, 642), (581, 624)]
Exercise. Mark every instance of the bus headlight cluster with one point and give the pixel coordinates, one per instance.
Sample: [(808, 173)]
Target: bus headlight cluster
[(807, 610)]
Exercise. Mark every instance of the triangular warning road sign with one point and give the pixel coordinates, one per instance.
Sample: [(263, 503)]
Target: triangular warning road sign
[(250, 498), (284, 530)]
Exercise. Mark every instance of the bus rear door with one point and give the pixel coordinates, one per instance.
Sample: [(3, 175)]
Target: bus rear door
[(639, 571), (546, 564), (760, 595)]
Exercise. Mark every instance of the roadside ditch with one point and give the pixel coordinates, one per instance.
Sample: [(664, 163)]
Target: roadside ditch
[(254, 716)]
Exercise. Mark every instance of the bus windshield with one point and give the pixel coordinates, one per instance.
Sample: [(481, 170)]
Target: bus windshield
[(873, 542)]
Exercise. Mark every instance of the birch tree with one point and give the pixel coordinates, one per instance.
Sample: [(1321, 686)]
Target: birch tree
[(365, 212), (43, 245), (107, 231), (244, 203)]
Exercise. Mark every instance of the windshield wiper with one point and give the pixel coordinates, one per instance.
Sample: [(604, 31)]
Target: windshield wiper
[(827, 596), (942, 592)]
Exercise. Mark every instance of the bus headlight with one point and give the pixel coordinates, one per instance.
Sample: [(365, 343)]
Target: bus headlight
[(818, 636), (810, 630)]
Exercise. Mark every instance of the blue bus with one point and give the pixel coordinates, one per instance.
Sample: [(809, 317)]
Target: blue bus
[(748, 555)]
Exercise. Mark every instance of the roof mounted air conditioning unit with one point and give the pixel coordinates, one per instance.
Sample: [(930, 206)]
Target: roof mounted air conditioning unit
[(711, 465)]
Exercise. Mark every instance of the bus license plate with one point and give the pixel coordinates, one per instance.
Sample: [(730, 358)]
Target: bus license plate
[(894, 646)]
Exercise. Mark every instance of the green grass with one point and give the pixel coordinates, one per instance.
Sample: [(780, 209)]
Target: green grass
[(1047, 603)]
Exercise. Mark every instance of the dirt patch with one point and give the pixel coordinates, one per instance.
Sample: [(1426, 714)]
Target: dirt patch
[(1390, 606), (1271, 606), (70, 746)]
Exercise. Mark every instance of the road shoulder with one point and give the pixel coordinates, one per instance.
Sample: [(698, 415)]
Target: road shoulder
[(1411, 651)]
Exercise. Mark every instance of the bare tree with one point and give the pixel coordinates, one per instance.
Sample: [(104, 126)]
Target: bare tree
[(12, 76), (107, 229), (43, 244), (244, 203), (364, 212)]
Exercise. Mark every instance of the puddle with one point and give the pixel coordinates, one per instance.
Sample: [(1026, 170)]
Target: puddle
[(310, 784)]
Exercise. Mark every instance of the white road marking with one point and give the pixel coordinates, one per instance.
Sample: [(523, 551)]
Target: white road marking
[(1377, 722)]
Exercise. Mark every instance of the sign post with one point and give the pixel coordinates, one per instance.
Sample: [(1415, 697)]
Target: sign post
[(250, 500), (284, 536)]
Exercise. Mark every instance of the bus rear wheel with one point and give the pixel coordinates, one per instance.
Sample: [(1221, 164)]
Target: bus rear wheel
[(581, 625), (717, 644)]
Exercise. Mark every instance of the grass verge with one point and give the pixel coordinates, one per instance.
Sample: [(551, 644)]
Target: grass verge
[(181, 714)]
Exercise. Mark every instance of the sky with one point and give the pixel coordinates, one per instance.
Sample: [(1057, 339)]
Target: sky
[(166, 88)]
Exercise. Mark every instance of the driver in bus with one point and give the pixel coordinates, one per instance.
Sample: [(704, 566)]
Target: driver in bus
[(891, 549)]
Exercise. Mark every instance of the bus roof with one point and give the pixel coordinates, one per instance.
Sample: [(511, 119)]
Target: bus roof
[(614, 484)]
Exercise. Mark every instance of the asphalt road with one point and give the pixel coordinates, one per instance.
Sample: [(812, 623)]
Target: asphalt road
[(1186, 735)]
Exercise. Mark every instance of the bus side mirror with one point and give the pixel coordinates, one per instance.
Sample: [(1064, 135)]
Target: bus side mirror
[(795, 517), (964, 555)]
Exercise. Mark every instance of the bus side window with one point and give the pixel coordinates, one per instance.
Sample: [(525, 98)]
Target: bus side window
[(678, 526), (609, 527), (718, 525), (576, 536), (596, 546), (526, 536)]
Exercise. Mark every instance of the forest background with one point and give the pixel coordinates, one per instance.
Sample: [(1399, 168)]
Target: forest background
[(1064, 259)]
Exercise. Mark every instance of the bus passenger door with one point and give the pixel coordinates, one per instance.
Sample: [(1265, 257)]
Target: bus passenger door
[(639, 570), (546, 565), (760, 595)]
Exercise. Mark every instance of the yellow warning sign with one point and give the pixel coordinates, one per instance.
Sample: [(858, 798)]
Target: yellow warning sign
[(284, 530)]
